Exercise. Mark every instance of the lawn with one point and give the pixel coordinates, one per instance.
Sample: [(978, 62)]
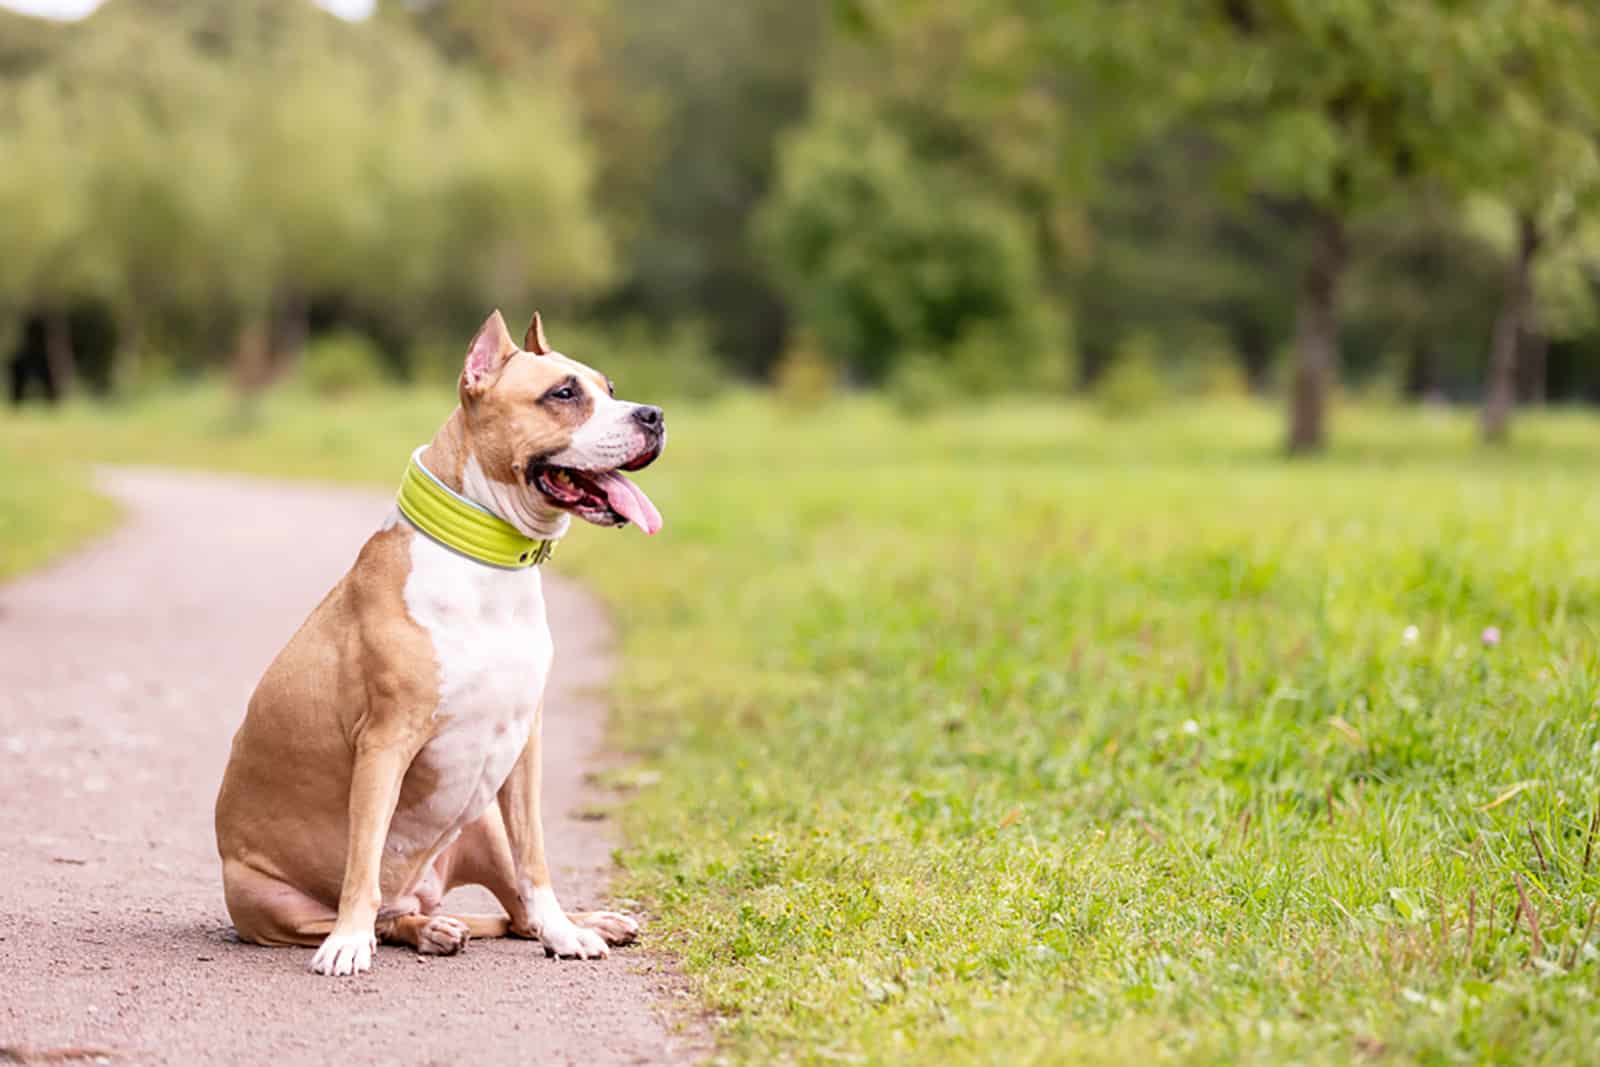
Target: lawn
[(47, 506), (1020, 736)]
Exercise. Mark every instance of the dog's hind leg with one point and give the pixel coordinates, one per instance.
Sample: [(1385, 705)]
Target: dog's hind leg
[(269, 911), (482, 856), (441, 935)]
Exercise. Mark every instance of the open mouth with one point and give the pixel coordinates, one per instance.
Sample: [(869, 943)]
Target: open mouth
[(605, 498)]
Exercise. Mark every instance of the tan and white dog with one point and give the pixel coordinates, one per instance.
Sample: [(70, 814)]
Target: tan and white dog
[(391, 751)]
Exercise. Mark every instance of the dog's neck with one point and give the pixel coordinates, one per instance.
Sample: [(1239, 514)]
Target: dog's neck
[(446, 457), (449, 458)]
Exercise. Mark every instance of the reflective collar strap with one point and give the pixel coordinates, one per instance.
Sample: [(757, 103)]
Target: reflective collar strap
[(463, 526)]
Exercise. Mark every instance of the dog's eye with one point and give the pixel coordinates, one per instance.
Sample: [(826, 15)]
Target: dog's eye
[(565, 392)]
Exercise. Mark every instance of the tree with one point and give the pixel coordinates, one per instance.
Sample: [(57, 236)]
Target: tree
[(216, 170), (1527, 134), (1325, 107), (125, 89), (44, 223), (862, 238), (1324, 111), (581, 45), (1170, 260), (729, 78), (682, 101), (954, 85), (1421, 299)]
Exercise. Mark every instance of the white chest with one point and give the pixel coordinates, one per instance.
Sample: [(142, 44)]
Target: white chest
[(493, 645)]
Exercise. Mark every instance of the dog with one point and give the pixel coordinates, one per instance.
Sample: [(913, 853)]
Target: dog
[(391, 750)]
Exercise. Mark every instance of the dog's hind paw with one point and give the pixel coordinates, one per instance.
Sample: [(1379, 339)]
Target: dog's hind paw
[(615, 927), (442, 936), (344, 954)]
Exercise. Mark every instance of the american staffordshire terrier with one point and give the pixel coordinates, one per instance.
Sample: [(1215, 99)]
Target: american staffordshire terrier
[(391, 751)]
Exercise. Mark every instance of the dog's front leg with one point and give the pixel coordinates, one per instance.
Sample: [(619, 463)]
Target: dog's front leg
[(538, 913), (380, 765)]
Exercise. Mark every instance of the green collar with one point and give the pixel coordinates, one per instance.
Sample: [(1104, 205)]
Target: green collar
[(463, 526)]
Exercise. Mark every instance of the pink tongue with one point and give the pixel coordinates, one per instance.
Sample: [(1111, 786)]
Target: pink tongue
[(629, 501)]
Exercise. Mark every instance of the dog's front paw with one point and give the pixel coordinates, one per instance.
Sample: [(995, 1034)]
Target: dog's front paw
[(442, 936), (563, 939), (342, 954), (615, 927)]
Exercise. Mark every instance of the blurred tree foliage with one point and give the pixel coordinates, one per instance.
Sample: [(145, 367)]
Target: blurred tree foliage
[(1527, 140), (727, 79), (885, 258), (996, 194), (683, 101), (218, 174), (1323, 114)]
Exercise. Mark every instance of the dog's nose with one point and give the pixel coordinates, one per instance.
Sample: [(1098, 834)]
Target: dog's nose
[(647, 416)]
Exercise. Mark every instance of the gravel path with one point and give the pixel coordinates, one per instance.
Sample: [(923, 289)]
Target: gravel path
[(124, 671)]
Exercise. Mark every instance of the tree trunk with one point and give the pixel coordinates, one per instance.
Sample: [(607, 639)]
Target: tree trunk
[(1316, 342), (290, 327), (1532, 356), (1515, 310), (252, 362), (126, 368), (252, 369), (60, 361), (1422, 373)]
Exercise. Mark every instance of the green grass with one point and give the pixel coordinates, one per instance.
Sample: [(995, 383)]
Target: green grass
[(289, 433), (1019, 736), (47, 507)]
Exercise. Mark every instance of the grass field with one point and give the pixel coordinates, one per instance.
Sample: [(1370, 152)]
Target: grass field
[(1018, 736), (47, 507)]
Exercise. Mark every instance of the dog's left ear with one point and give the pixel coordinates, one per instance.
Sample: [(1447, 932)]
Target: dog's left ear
[(533, 341), (487, 354)]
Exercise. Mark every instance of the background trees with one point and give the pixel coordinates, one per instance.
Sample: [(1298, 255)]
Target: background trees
[(1007, 193), (1528, 141), (220, 177), (886, 260), (1322, 113)]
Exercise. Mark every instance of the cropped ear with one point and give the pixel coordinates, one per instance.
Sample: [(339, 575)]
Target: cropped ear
[(487, 354), (533, 341)]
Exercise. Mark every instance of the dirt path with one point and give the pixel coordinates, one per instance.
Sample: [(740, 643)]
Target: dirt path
[(123, 674)]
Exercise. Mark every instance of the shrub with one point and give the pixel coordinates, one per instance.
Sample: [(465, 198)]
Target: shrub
[(988, 361), (920, 385), (434, 357), (983, 363), (1027, 355), (1132, 384), (340, 363), (648, 363), (884, 255), (1385, 385), (1222, 380), (1213, 368), (804, 377)]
